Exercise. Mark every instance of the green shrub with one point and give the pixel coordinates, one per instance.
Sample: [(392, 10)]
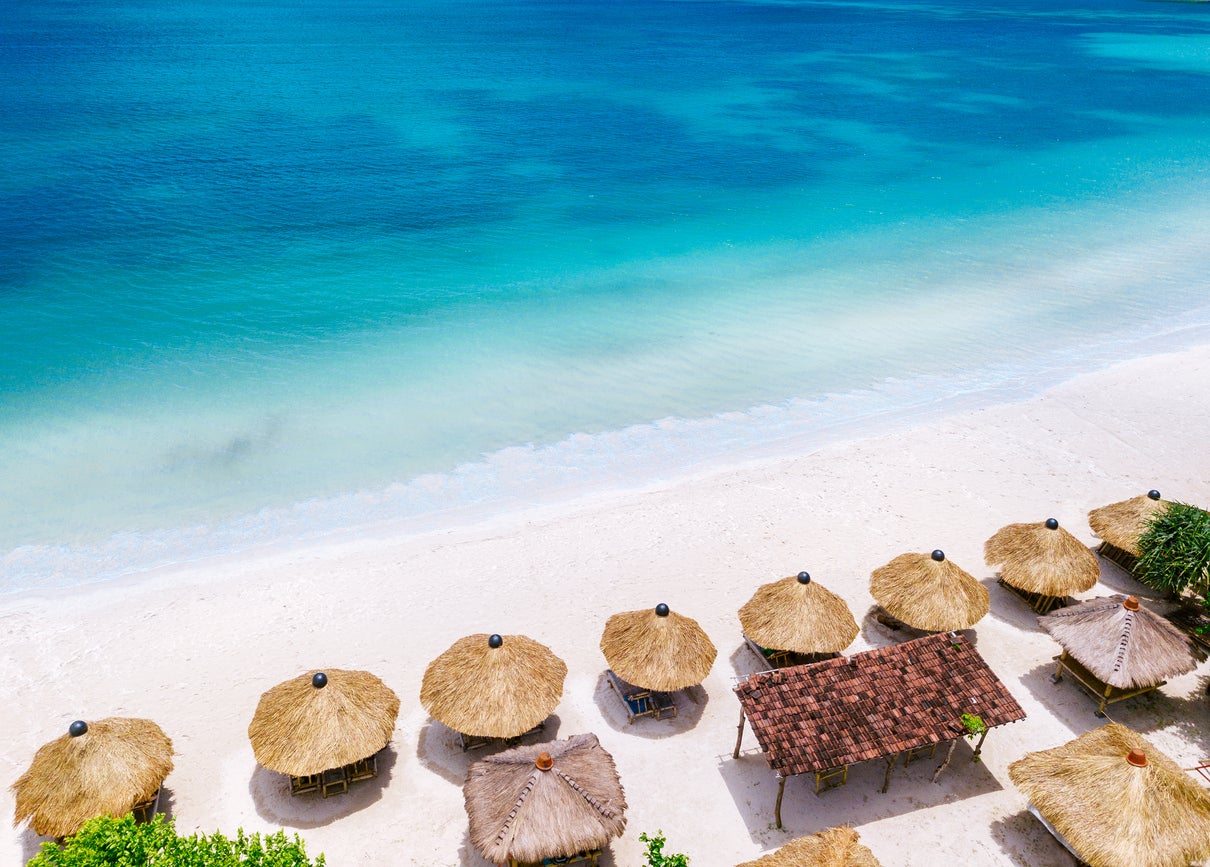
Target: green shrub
[(109, 842), (1175, 551), (655, 852)]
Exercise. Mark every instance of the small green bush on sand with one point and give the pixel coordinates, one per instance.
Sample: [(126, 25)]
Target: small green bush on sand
[(655, 852), (109, 842)]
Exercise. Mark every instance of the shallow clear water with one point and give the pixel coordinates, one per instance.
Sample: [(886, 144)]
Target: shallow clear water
[(273, 270)]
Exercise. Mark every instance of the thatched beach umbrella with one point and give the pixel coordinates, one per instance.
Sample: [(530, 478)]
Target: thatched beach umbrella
[(1042, 559), (1121, 524), (322, 720), (547, 800), (1123, 643), (929, 592), (835, 847), (493, 686), (1117, 801), (799, 615), (106, 767), (657, 649)]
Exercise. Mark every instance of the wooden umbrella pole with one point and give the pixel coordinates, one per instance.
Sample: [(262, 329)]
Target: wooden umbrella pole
[(740, 736)]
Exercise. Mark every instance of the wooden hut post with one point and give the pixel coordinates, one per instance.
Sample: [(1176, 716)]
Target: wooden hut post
[(740, 736), (886, 782), (979, 745), (781, 790), (948, 755)]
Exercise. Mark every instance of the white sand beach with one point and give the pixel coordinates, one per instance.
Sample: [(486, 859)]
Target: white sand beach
[(193, 648)]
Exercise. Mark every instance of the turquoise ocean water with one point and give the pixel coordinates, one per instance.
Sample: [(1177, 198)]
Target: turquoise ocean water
[(272, 271)]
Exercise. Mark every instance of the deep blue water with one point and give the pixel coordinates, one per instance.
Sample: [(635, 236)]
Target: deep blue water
[(272, 269)]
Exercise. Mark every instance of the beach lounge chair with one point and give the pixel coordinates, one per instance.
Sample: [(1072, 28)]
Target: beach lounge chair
[(588, 856), (145, 811), (474, 742), (775, 658), (641, 702)]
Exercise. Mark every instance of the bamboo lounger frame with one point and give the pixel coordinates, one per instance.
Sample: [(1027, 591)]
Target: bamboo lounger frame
[(1102, 692)]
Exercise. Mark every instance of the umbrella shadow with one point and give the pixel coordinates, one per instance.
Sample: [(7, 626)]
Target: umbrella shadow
[(439, 749), (1026, 841), (271, 796), (690, 705), (881, 634), (753, 788), (1008, 607), (745, 662), (31, 844), (1118, 580), (167, 805)]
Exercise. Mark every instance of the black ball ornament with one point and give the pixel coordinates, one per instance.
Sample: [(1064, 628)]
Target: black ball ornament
[(1153, 494), (661, 610), (938, 555), (319, 680), (1052, 524), (804, 577), (494, 641), (77, 728)]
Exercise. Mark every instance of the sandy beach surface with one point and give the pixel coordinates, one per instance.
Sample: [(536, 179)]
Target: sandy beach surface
[(193, 648)]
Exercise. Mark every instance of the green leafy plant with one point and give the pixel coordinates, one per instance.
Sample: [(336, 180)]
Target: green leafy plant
[(1174, 551), (974, 725), (655, 852), (109, 842)]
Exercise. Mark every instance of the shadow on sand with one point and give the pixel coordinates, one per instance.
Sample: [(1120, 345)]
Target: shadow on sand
[(753, 788), (1027, 843), (690, 704), (439, 750), (271, 794)]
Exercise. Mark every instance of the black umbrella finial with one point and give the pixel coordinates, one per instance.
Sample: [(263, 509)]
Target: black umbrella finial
[(661, 610), (319, 680), (494, 641), (1052, 523), (938, 555), (1153, 494), (804, 577), (77, 728)]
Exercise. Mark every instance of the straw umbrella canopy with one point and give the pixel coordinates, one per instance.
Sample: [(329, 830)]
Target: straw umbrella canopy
[(1117, 800), (1122, 643), (835, 847), (798, 614), (322, 720), (1042, 558), (493, 686), (544, 801), (929, 592), (657, 649), (1121, 524), (100, 768)]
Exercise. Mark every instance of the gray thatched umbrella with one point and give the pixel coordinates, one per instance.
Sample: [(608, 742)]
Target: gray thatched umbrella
[(799, 615), (322, 720), (657, 649), (106, 767), (929, 592), (1117, 801), (547, 800), (1124, 644), (835, 847), (493, 686), (1119, 525), (1042, 559)]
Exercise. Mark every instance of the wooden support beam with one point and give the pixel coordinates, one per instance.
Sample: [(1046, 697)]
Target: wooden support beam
[(948, 755), (740, 736), (979, 746), (781, 790), (887, 780)]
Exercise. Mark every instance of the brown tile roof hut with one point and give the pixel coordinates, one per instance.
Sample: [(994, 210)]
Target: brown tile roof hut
[(551, 800), (1116, 801), (112, 766), (324, 729), (883, 703), (1117, 648), (795, 619), (657, 649), (929, 592), (493, 687), (1119, 525), (835, 847), (1041, 562)]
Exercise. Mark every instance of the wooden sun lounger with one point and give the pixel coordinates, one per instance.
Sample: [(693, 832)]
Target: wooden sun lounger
[(335, 781), (641, 702), (145, 811), (1038, 602), (588, 856), (474, 742)]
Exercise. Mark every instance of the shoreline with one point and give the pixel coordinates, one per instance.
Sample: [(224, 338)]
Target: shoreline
[(193, 646), (553, 476)]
